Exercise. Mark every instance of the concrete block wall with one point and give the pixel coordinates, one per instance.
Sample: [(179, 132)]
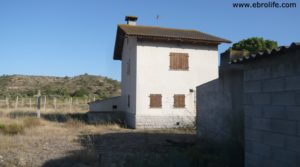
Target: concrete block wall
[(272, 111), (219, 102)]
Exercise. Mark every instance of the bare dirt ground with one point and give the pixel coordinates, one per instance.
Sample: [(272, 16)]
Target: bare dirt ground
[(64, 139)]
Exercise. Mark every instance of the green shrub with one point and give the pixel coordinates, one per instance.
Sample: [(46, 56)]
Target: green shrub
[(255, 44), (80, 93)]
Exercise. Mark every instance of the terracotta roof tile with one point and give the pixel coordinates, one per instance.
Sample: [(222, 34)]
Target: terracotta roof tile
[(163, 34), (252, 57), (151, 31)]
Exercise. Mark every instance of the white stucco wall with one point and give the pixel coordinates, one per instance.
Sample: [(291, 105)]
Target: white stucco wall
[(155, 77), (105, 105), (128, 81)]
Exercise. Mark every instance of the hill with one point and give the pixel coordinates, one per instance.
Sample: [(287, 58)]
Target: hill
[(78, 86)]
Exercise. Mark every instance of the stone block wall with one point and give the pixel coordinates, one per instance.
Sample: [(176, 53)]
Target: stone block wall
[(272, 111), (158, 122)]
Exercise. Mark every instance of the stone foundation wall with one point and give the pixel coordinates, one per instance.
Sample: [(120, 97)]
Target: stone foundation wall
[(130, 120), (159, 122)]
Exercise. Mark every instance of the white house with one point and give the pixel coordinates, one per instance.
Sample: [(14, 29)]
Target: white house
[(161, 68)]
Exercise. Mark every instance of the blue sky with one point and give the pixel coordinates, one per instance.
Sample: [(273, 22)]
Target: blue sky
[(71, 37)]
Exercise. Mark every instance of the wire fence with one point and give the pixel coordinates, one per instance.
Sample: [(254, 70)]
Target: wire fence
[(46, 103)]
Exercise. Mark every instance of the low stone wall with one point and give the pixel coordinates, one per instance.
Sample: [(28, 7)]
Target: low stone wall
[(159, 122)]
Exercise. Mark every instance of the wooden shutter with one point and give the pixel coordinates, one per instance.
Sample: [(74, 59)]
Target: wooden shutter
[(155, 100), (172, 61), (179, 61), (185, 62), (179, 101)]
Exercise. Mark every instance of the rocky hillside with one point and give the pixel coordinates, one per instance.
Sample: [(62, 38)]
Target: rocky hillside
[(79, 86)]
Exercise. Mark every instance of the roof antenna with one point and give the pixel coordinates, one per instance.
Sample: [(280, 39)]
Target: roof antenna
[(157, 17)]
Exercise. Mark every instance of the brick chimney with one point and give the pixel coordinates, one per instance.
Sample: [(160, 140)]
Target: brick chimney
[(131, 20)]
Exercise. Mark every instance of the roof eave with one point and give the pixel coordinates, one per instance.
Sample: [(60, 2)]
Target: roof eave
[(226, 41), (118, 51), (118, 44), (121, 35)]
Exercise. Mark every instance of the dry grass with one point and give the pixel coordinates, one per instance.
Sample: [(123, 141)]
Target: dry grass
[(10, 126), (74, 123), (67, 140), (23, 137), (31, 122), (25, 111), (11, 129)]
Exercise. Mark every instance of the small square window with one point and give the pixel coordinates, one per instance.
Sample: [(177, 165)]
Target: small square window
[(179, 61), (155, 100), (179, 101)]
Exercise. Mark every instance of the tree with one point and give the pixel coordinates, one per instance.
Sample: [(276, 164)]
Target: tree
[(254, 45), (80, 93), (102, 94), (62, 92)]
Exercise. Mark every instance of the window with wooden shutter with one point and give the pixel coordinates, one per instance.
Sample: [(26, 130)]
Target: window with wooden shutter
[(179, 101), (155, 100), (179, 61)]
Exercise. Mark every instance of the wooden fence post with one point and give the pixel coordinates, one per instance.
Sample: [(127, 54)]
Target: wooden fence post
[(70, 103), (17, 100), (45, 102), (7, 103), (39, 104), (22, 102), (54, 102), (30, 103)]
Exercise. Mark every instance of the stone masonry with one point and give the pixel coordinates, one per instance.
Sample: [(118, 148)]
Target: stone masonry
[(159, 122)]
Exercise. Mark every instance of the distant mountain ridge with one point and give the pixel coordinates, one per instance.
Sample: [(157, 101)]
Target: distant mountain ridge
[(78, 86)]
